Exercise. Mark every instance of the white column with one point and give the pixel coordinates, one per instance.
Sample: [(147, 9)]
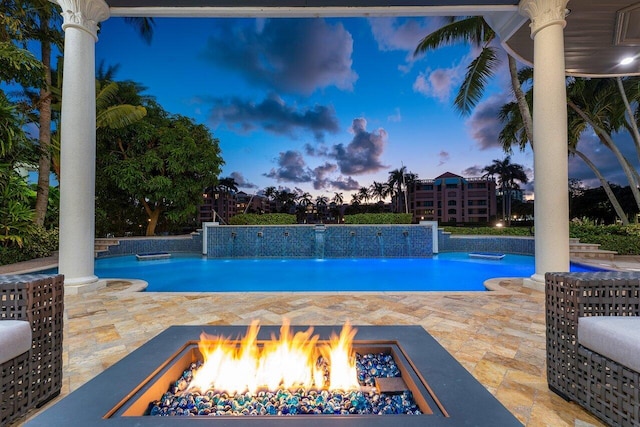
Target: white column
[(78, 139), (550, 163)]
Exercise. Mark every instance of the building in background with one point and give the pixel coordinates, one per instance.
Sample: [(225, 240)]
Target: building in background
[(450, 198)]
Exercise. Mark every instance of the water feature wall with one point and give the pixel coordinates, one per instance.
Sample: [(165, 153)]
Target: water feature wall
[(318, 241)]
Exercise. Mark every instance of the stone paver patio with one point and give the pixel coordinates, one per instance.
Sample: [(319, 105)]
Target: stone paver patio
[(497, 336)]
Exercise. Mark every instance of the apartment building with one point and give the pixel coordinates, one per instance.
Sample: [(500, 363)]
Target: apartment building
[(217, 205), (453, 199)]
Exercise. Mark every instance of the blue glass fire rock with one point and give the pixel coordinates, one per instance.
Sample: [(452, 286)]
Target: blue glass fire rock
[(177, 402)]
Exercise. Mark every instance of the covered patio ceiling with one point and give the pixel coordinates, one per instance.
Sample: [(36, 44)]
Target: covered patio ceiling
[(597, 36)]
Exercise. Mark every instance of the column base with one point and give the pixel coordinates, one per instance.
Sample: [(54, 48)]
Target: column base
[(80, 280), (535, 282)]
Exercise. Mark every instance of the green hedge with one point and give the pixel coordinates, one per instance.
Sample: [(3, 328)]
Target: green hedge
[(490, 231), (624, 240), (37, 243), (378, 218), (264, 219)]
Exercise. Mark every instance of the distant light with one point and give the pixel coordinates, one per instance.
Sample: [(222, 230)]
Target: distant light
[(499, 225), (626, 61)]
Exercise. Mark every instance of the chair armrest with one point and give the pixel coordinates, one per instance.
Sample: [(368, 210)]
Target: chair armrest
[(38, 299)]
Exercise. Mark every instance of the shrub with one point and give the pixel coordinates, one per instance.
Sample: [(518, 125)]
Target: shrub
[(378, 218), (491, 231), (624, 240), (264, 219), (37, 243)]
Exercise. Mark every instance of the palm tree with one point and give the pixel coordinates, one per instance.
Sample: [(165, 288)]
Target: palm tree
[(355, 199), (228, 185), (475, 31), (513, 134), (396, 180), (338, 199), (508, 173), (596, 102), (110, 113), (43, 19), (380, 190), (363, 194)]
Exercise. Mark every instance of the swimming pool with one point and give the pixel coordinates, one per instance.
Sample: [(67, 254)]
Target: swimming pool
[(194, 273)]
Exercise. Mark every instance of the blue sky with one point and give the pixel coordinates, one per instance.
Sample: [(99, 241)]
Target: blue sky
[(320, 105)]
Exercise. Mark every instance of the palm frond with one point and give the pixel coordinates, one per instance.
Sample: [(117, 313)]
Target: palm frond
[(119, 116), (144, 27), (472, 30), (475, 81), (106, 94)]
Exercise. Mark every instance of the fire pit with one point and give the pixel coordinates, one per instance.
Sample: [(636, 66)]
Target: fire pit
[(442, 390)]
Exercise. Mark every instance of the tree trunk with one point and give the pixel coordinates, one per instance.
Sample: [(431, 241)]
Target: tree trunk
[(153, 222), (154, 215), (525, 113), (44, 139), (631, 122), (605, 186), (608, 142)]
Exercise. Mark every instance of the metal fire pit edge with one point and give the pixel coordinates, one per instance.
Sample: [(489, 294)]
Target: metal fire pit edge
[(465, 400)]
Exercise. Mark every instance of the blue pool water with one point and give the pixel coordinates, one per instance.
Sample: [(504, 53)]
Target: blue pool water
[(443, 272)]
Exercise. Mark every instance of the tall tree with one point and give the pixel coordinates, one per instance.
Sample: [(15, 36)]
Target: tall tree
[(163, 161), (396, 183), (513, 134), (508, 173), (42, 18), (598, 103), (477, 32), (380, 190)]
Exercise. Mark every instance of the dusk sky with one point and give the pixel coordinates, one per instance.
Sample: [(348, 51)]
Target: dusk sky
[(322, 105)]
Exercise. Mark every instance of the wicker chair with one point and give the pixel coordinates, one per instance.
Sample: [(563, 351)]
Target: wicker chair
[(604, 387), (35, 377)]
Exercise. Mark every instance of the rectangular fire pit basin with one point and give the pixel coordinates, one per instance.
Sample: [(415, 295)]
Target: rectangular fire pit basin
[(445, 392)]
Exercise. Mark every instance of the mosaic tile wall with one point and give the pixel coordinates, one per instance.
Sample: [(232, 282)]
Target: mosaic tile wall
[(128, 246), (511, 245), (308, 241)]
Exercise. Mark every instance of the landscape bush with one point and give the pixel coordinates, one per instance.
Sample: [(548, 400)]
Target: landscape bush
[(491, 231), (264, 219), (38, 242), (623, 239), (378, 218)]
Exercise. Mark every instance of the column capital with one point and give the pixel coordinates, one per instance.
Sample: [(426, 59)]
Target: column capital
[(83, 14), (543, 13)]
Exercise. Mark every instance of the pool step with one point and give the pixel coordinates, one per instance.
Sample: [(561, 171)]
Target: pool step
[(589, 251), (103, 244)]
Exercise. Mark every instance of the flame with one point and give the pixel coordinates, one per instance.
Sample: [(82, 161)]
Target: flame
[(288, 362)]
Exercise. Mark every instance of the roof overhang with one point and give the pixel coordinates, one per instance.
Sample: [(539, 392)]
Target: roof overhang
[(597, 36)]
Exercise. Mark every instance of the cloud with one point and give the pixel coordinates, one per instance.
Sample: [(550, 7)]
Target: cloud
[(291, 168), (439, 83), (444, 157), (402, 34), (293, 55), (273, 115), (473, 171), (362, 154), (345, 184), (396, 117), (241, 180), (320, 150), (321, 173), (484, 126)]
